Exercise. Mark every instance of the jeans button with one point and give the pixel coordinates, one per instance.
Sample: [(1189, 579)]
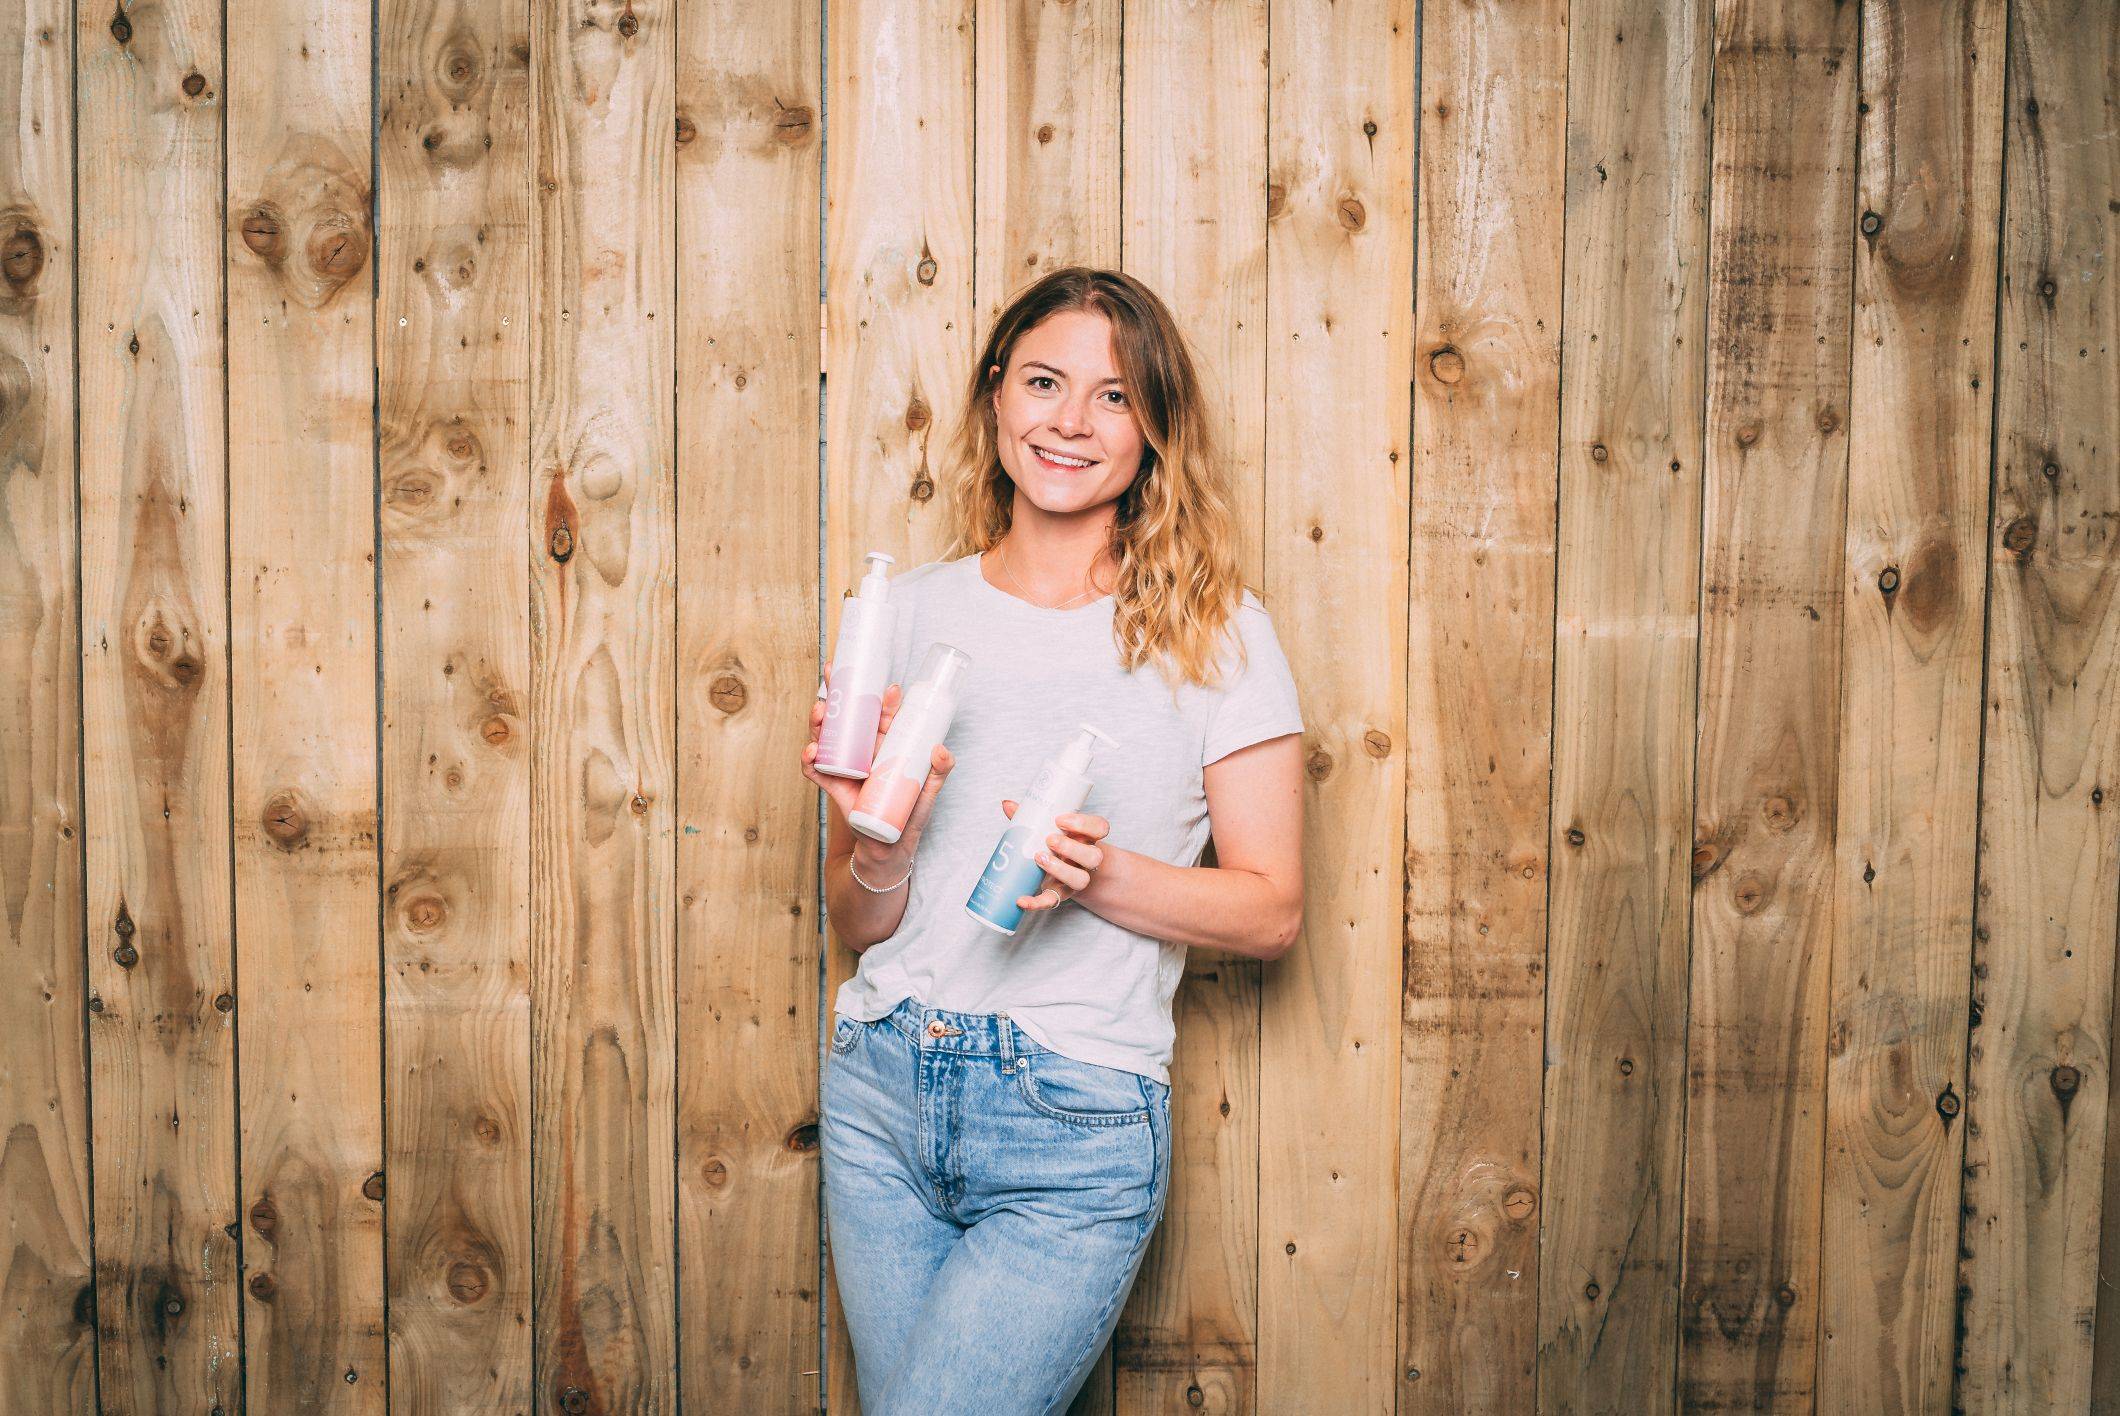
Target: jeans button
[(935, 1028)]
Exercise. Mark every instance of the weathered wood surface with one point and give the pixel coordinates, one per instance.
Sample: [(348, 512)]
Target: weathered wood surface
[(453, 410), (749, 160)]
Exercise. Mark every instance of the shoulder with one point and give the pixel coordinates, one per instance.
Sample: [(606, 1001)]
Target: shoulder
[(923, 577)]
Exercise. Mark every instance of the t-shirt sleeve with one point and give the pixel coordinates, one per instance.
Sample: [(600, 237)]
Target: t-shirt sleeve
[(1257, 699)]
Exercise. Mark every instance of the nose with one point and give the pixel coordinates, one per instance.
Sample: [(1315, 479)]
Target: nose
[(1072, 416)]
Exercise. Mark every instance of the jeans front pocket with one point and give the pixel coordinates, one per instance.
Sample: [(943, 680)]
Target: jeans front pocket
[(1084, 1093), (845, 1033)]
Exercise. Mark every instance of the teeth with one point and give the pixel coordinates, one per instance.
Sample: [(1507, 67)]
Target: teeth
[(1063, 461)]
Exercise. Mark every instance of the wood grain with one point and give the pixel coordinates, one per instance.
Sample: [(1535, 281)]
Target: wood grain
[(1338, 307), (603, 632), (899, 338), (1625, 636), (48, 1295), (1913, 600), (2040, 1242), (301, 527), (1195, 206), (1480, 688), (453, 214), (1767, 738), (749, 161)]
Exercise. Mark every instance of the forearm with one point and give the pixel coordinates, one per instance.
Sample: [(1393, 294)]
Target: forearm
[(1209, 907), (860, 916)]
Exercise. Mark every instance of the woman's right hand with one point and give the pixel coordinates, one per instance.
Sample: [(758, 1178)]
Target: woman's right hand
[(845, 791)]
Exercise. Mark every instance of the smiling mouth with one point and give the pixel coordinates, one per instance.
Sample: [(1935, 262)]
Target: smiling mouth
[(1060, 462)]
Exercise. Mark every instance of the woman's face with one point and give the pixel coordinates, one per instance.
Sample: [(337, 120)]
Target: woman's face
[(1061, 395)]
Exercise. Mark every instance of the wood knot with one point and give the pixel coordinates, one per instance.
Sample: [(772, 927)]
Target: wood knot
[(459, 69), (1317, 533), (1351, 213), (1828, 421), (2064, 1079), (687, 130), (792, 125), (1276, 199), (21, 258), (803, 1139), (412, 490), (561, 543), (925, 271), (125, 955), (2020, 536), (338, 246), (223, 1003), (495, 731), (728, 694), (1778, 812), (1786, 1295), (1575, 836), (1888, 579), (1872, 223), (372, 1187), (629, 24), (1447, 364), (917, 414), (573, 1400), (1748, 435), (1518, 1204), (923, 489), (1947, 1102), (194, 84), (1376, 744), (123, 926), (2048, 290), (487, 1129), (1750, 895), (468, 1282), (1598, 453), (1318, 765), (284, 820), (1626, 1066), (121, 28), (425, 913), (262, 233), (714, 1173), (1045, 133), (262, 1287), (1591, 1290)]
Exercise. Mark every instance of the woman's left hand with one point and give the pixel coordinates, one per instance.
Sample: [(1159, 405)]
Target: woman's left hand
[(1069, 855)]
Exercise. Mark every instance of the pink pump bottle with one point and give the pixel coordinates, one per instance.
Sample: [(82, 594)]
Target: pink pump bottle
[(861, 670), (893, 788)]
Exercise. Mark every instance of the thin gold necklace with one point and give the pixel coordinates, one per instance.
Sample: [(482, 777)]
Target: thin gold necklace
[(1027, 594)]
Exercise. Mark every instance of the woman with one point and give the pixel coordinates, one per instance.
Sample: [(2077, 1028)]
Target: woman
[(996, 1109)]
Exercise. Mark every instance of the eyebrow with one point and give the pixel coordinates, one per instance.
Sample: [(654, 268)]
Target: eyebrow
[(1036, 364)]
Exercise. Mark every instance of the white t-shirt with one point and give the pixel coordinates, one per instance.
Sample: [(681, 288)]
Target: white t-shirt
[(1073, 980)]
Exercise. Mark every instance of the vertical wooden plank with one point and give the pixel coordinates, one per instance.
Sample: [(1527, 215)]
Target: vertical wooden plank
[(1625, 638), (1770, 663), (749, 160), (1194, 201), (1494, 84), (155, 707), (1047, 132), (899, 340), (1047, 179), (2039, 1122), (1912, 607), (47, 1294), (301, 525), (1339, 318), (602, 650), (452, 362)]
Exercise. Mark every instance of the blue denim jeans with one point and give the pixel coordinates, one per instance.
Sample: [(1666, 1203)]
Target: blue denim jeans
[(987, 1205)]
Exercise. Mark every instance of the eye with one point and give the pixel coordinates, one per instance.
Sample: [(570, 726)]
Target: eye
[(1040, 378), (1115, 393)]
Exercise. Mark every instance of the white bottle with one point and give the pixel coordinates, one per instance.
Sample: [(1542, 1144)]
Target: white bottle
[(893, 788), (861, 671), (1062, 785)]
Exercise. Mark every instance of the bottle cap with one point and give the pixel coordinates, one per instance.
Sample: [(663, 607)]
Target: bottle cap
[(1075, 759), (876, 585)]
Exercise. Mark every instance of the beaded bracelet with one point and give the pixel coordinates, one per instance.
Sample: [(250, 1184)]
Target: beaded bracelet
[(877, 889)]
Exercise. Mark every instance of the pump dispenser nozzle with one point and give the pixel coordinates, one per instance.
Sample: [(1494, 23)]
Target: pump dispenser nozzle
[(876, 584), (1075, 759)]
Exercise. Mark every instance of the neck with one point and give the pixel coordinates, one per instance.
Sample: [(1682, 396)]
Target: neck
[(1055, 556)]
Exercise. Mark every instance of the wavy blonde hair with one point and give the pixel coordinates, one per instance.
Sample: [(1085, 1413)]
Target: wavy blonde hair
[(1179, 585)]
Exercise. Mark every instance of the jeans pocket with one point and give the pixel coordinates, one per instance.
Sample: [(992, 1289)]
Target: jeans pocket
[(845, 1033), (1085, 1093)]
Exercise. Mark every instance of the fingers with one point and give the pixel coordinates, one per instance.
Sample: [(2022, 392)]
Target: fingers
[(891, 699), (1064, 870), (1080, 823), (940, 761), (1074, 853)]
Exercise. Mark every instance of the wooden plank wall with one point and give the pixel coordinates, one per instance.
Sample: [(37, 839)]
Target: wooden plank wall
[(1679, 444)]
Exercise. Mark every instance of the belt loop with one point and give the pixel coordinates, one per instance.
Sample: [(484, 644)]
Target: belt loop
[(1008, 1041)]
